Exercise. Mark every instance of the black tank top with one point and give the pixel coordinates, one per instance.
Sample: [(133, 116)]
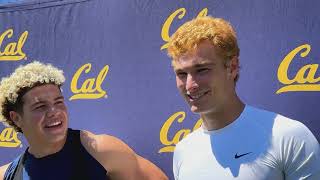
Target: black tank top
[(70, 163)]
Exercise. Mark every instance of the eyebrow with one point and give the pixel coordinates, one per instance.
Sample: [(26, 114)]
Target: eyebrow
[(41, 101), (199, 65), (204, 64)]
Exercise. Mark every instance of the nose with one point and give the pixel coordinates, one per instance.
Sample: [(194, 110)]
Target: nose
[(52, 111), (191, 83)]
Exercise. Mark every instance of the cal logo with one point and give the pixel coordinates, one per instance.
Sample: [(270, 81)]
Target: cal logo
[(304, 79), (176, 118), (91, 87), (9, 138), (11, 50), (179, 13)]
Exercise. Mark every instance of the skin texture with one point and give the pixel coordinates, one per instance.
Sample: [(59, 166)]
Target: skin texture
[(43, 106), (44, 122), (119, 159), (3, 170), (207, 83)]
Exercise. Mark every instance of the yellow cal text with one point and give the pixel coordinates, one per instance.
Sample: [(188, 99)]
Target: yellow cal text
[(12, 51), (91, 87), (304, 79), (179, 13), (9, 138), (170, 144)]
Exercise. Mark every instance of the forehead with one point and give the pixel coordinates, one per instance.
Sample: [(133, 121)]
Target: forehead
[(205, 53), (45, 92)]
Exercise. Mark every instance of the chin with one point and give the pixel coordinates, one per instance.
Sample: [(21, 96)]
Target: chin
[(57, 136), (201, 110), (196, 109)]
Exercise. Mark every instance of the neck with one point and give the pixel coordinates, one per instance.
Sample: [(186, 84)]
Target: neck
[(223, 116), (40, 150)]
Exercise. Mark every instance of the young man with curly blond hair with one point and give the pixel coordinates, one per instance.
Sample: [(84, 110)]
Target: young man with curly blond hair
[(235, 141), (32, 103)]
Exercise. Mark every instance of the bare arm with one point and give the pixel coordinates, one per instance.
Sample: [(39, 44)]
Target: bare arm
[(150, 171), (3, 170), (119, 159)]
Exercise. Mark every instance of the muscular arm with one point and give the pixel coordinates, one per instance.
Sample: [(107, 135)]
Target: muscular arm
[(3, 170), (149, 170), (119, 159)]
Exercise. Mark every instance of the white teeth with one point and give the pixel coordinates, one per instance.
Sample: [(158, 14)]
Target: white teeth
[(195, 96), (54, 124)]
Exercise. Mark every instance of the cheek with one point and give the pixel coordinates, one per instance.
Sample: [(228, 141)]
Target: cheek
[(65, 114), (205, 80), (62, 108), (63, 111), (31, 119), (31, 113), (180, 84), (38, 116)]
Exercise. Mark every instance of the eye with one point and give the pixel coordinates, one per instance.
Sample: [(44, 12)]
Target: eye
[(181, 74), (60, 102), (203, 70), (40, 107)]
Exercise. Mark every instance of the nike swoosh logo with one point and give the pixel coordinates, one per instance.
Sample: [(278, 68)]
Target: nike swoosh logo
[(240, 155)]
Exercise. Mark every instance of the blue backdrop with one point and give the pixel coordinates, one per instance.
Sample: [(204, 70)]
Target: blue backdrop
[(119, 78)]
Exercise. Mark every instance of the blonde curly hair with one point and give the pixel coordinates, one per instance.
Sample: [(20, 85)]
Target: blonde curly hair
[(216, 30), (24, 78)]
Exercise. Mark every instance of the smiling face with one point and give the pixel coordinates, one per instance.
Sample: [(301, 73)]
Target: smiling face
[(44, 116), (204, 79)]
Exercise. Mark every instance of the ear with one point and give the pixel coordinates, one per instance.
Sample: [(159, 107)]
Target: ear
[(16, 118), (233, 67)]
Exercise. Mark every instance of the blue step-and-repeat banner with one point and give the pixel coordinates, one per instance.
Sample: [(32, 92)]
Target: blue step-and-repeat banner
[(119, 77)]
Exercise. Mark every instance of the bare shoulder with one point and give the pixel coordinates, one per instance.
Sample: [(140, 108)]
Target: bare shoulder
[(120, 161), (108, 150), (103, 143), (3, 170)]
